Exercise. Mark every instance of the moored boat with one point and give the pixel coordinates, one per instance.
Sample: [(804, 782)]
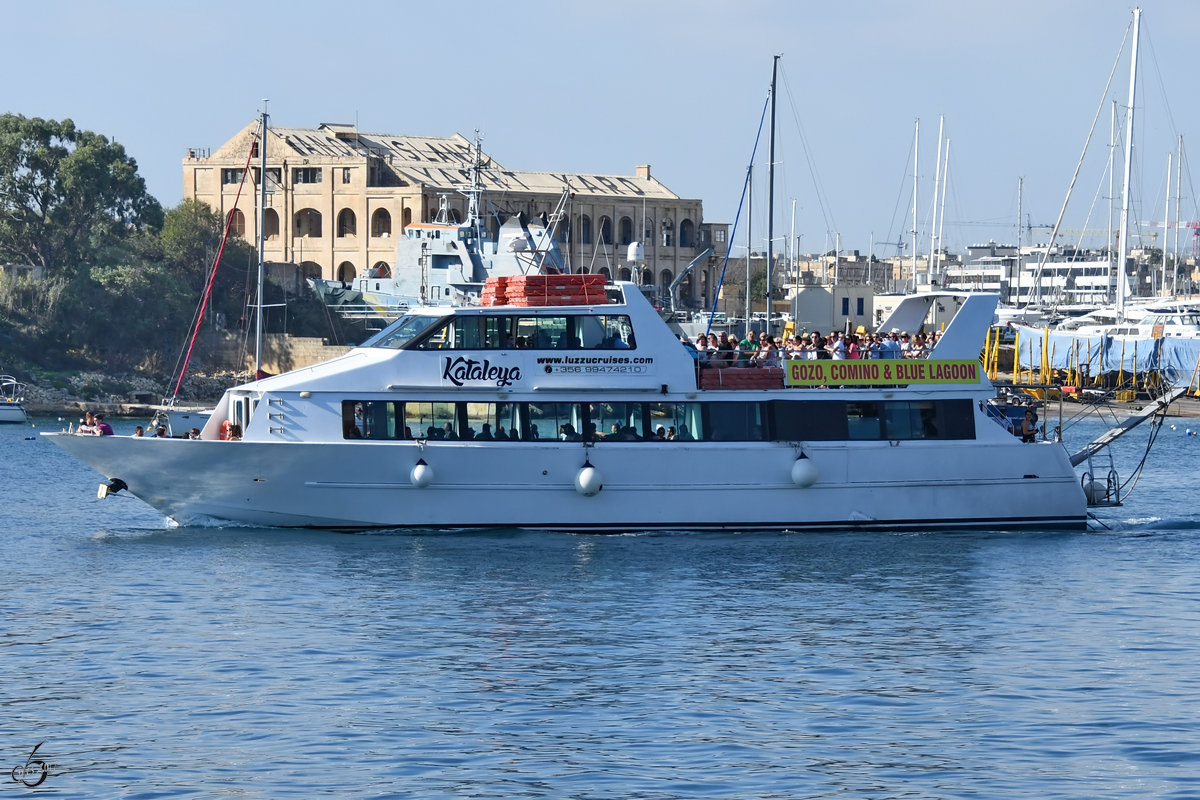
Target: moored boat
[(568, 404), (11, 396)]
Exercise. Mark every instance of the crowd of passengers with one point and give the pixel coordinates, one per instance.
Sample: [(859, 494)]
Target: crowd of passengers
[(762, 350)]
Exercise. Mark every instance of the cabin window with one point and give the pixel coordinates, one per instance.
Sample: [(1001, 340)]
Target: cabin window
[(374, 419), (562, 421), (492, 422), (402, 331), (433, 421), (733, 422)]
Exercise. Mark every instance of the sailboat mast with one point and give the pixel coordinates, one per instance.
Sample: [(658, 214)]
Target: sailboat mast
[(937, 179), (262, 221), (1122, 278), (916, 153), (770, 190), (1166, 216), (1178, 201), (1016, 298)]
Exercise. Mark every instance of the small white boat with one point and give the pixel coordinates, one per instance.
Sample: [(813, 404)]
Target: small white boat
[(581, 411), (11, 396)]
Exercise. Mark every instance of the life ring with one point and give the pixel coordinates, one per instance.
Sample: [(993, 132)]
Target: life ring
[(226, 427)]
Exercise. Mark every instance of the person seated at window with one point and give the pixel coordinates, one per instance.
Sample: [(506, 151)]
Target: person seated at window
[(485, 433), (350, 430), (567, 433), (501, 436)]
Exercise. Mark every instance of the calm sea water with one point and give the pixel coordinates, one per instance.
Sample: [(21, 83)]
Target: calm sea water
[(187, 662)]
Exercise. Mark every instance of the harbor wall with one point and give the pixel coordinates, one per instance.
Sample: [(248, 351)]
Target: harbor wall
[(221, 350)]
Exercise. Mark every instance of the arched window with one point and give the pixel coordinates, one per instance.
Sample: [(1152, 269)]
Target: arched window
[(585, 229), (564, 230), (308, 223), (237, 223), (607, 275), (624, 274), (347, 223), (271, 224), (687, 233), (311, 269), (647, 278), (382, 269), (664, 280), (606, 231), (346, 272), (648, 230), (407, 220), (381, 223), (626, 230)]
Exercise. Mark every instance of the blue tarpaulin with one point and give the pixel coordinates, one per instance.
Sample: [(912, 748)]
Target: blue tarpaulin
[(1176, 359)]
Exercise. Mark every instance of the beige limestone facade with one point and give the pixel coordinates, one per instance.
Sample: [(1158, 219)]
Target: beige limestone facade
[(337, 199)]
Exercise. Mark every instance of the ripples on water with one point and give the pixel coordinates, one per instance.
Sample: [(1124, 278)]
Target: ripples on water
[(183, 662)]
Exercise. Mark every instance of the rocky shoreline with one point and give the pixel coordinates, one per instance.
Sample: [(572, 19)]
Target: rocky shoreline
[(124, 396)]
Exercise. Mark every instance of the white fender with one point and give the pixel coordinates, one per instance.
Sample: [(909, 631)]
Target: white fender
[(804, 472), (421, 475), (589, 481)]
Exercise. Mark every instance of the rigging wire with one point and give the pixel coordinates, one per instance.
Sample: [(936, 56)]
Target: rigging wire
[(738, 216), (212, 275)]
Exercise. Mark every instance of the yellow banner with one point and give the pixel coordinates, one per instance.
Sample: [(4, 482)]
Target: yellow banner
[(873, 372)]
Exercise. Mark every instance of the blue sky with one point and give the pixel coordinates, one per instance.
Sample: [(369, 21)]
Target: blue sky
[(678, 85)]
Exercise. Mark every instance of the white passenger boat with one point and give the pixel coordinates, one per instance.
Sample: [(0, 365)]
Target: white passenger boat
[(11, 397), (545, 413)]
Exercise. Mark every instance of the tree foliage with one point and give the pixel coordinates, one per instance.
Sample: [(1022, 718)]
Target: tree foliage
[(124, 282), (65, 193)]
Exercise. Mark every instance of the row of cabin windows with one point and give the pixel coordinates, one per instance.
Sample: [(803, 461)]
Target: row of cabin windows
[(507, 331), (771, 420)]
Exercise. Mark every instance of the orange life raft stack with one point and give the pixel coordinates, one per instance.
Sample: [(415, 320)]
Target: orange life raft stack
[(544, 290)]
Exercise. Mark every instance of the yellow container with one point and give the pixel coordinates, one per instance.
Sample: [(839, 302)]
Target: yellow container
[(1126, 396)]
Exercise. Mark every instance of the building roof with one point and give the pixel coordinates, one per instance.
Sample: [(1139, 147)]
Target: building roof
[(437, 162)]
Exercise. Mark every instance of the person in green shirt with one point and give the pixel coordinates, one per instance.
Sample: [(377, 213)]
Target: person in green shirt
[(747, 348)]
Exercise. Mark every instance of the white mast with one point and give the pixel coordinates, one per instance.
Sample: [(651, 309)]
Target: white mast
[(916, 148), (262, 221), (942, 211), (1016, 301), (1123, 250), (1178, 202), (1166, 216), (937, 179), (1112, 154)]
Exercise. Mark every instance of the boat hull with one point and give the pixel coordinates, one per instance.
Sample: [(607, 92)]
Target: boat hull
[(684, 486), (12, 413)]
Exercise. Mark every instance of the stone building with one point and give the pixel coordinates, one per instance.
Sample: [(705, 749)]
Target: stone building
[(337, 198)]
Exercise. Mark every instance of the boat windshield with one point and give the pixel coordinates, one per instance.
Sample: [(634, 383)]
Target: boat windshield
[(397, 335)]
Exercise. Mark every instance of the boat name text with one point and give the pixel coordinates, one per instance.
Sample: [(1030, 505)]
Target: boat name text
[(463, 370)]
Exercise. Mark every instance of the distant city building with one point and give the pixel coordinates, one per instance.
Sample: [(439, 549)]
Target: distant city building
[(337, 198)]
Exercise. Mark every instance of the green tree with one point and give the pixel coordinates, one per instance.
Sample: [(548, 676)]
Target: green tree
[(65, 193)]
